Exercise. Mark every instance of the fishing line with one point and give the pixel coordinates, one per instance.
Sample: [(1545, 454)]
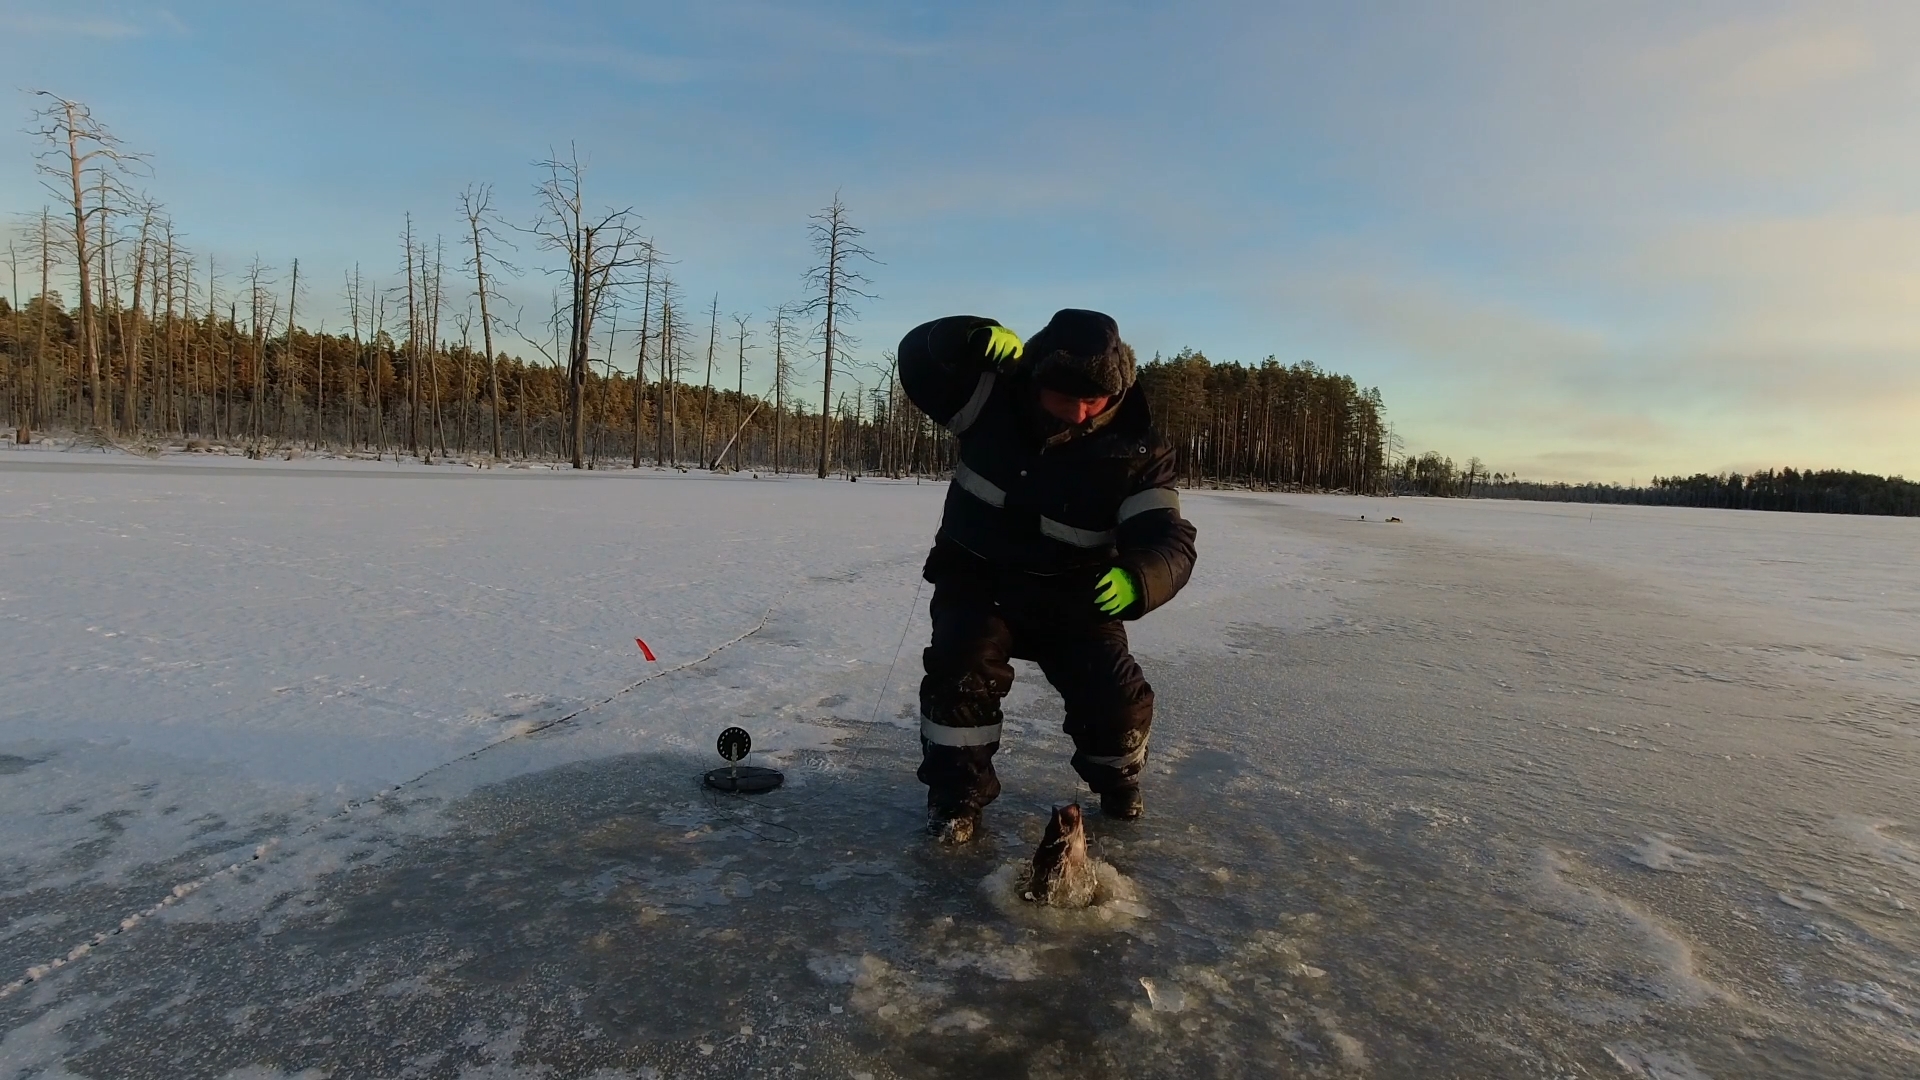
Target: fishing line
[(904, 631)]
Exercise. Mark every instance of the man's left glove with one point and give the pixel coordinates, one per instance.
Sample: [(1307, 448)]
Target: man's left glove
[(998, 347), (1115, 592)]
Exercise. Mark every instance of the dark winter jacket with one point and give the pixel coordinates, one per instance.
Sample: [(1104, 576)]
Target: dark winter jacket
[(1064, 506)]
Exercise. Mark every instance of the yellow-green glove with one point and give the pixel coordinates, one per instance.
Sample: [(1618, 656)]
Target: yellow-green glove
[(997, 345), (1115, 592)]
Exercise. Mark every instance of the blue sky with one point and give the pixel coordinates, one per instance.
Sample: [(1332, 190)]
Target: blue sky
[(1580, 240)]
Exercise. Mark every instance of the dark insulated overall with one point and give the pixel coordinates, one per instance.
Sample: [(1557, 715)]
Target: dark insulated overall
[(982, 619), (1031, 522)]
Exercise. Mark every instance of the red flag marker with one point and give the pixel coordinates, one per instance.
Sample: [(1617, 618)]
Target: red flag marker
[(644, 651)]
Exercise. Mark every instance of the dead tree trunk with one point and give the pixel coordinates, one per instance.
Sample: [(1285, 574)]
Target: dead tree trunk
[(640, 360), (835, 281), (413, 352), (781, 320), (740, 385), (706, 400), (130, 326), (288, 382), (667, 407), (16, 363), (256, 410), (359, 352), (41, 391), (599, 250), (438, 435), (79, 145), (477, 203)]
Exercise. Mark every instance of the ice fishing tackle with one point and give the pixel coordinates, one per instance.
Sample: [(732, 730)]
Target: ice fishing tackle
[(737, 779)]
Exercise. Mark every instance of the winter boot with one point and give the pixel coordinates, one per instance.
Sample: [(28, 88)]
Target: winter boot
[(1122, 804), (950, 824)]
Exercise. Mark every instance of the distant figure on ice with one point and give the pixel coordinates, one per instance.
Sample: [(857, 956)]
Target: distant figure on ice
[(1062, 521)]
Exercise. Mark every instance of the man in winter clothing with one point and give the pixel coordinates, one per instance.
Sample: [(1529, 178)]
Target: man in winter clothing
[(1061, 522)]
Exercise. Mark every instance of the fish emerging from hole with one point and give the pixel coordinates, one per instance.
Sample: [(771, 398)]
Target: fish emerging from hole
[(1062, 871)]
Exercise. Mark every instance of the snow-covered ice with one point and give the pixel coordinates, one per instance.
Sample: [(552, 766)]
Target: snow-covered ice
[(354, 769)]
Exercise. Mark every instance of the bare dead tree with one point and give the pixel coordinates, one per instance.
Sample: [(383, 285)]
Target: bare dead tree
[(16, 369), (706, 398), (667, 407), (103, 287), (130, 335), (351, 290), (223, 400), (376, 383), (835, 280), (602, 248), (82, 154), (289, 380), (320, 386), (439, 433), (170, 265), (259, 317), (476, 203), (233, 328), (42, 390), (155, 376), (464, 321), (782, 327), (413, 349), (740, 336), (740, 429), (181, 261), (651, 264)]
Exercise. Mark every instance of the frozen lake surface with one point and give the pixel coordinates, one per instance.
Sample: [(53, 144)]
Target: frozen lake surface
[(336, 769)]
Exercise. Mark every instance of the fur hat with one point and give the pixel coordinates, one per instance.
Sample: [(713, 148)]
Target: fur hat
[(1080, 353)]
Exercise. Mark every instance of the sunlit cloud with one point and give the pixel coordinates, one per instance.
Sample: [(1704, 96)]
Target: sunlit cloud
[(39, 25)]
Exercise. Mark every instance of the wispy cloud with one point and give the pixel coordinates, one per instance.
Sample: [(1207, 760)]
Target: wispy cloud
[(627, 63), (817, 31), (29, 24), (1406, 313), (38, 19), (1768, 58), (1822, 310)]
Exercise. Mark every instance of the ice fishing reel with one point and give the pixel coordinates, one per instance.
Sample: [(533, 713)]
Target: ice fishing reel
[(738, 779)]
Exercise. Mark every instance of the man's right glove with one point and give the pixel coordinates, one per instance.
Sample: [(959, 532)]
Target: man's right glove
[(998, 347)]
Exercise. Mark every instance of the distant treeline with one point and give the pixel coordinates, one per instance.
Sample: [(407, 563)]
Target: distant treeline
[(1812, 491), (1809, 491), (218, 376), (1270, 425)]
